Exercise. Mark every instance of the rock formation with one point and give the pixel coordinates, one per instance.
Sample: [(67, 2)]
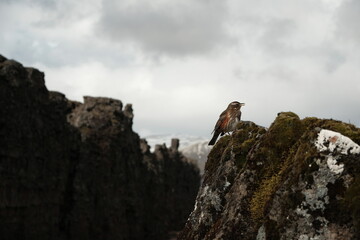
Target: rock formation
[(72, 170), (297, 180)]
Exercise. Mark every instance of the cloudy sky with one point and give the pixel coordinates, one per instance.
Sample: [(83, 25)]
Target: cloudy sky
[(181, 62)]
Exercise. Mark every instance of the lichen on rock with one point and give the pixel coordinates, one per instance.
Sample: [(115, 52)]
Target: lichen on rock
[(299, 179)]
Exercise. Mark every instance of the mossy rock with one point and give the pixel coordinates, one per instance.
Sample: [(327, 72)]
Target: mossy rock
[(345, 129), (288, 146), (279, 182), (215, 155), (235, 146)]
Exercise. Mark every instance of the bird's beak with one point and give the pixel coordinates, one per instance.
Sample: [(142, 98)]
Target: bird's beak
[(242, 104)]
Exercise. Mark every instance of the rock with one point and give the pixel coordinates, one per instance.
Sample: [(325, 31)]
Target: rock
[(38, 150), (108, 183), (71, 170), (297, 180), (145, 148), (2, 58), (175, 144), (177, 181)]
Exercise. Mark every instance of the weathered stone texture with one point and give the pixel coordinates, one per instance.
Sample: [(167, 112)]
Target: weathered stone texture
[(297, 180)]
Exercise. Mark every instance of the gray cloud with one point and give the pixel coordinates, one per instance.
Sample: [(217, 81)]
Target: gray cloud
[(275, 38), (42, 3), (348, 19), (274, 55), (334, 60), (166, 28)]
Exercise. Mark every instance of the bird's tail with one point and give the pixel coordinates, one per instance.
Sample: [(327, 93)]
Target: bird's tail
[(213, 140)]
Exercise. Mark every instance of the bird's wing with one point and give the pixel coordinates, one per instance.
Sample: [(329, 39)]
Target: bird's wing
[(221, 123)]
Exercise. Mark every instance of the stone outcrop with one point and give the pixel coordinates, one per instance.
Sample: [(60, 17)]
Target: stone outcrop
[(71, 170), (299, 179), (38, 150)]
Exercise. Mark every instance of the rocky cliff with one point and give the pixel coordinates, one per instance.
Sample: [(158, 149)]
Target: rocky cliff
[(72, 170), (299, 179)]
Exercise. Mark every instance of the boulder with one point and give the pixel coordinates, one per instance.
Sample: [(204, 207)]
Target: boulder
[(299, 179)]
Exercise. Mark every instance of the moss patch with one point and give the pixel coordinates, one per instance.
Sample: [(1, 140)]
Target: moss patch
[(288, 146), (262, 196), (216, 153), (277, 165), (274, 153), (243, 140), (345, 129), (235, 146)]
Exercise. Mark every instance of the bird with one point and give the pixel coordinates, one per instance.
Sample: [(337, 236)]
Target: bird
[(227, 120)]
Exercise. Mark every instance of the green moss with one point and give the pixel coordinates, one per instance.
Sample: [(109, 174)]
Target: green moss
[(262, 196), (288, 146), (285, 131), (235, 146), (216, 153), (345, 129), (276, 151), (243, 140), (241, 152), (285, 151)]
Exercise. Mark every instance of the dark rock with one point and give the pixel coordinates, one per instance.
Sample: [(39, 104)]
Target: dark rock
[(128, 111), (36, 78), (149, 193), (297, 180), (109, 176), (2, 58), (71, 170), (177, 181), (38, 150), (145, 148), (175, 144)]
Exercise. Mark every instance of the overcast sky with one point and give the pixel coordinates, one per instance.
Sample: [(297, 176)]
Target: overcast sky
[(180, 63)]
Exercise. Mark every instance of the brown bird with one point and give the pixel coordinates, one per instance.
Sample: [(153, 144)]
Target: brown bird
[(227, 120)]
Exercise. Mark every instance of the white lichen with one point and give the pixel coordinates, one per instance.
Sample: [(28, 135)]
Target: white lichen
[(335, 142), (303, 237), (261, 233), (227, 184), (214, 199), (206, 200), (335, 145), (333, 165)]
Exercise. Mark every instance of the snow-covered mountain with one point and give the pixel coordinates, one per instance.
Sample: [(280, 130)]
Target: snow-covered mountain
[(199, 152), (193, 147)]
